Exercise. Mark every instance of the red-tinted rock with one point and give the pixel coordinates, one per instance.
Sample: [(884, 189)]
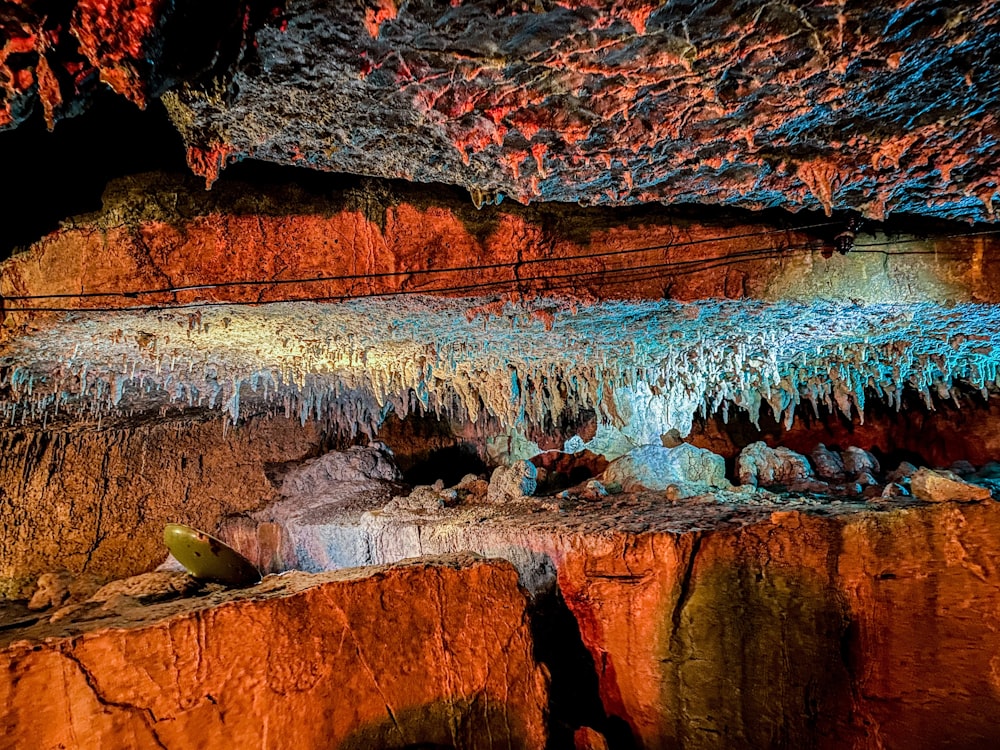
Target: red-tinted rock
[(617, 102), (242, 244), (432, 653)]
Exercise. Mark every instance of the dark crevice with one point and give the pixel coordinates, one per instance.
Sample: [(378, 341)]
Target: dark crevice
[(58, 174), (574, 690)]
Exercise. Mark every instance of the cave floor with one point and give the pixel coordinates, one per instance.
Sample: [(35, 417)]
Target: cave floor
[(493, 530)]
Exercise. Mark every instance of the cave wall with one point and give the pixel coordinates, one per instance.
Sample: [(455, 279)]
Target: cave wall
[(95, 501), (388, 657), (964, 429), (161, 232), (761, 626)]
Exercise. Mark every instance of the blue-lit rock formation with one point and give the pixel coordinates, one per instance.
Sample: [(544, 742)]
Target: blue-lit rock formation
[(645, 368)]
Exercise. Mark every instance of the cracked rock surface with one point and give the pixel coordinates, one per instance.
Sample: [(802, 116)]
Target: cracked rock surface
[(249, 667), (881, 108)]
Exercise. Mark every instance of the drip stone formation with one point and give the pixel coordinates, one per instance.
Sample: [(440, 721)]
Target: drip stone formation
[(603, 375)]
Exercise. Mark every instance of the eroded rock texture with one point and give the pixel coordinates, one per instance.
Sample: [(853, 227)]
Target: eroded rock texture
[(96, 501), (752, 625), (430, 654), (884, 107), (881, 108)]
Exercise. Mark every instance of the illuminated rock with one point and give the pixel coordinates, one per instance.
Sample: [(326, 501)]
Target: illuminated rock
[(654, 467), (829, 465), (944, 486), (859, 461), (435, 652), (513, 483), (761, 466)]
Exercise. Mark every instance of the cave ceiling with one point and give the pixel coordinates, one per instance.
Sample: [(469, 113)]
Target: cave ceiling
[(582, 130), (879, 108)]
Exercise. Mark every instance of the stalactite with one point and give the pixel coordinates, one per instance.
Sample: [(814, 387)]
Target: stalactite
[(646, 367)]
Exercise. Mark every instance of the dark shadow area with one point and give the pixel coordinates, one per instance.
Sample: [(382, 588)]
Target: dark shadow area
[(575, 699), (53, 175), (966, 428), (448, 464)]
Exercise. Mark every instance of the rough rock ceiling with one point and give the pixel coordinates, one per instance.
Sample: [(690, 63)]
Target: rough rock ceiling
[(878, 108)]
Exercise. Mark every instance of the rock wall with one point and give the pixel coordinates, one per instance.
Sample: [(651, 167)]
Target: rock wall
[(435, 653), (161, 240), (96, 501), (750, 626), (964, 429)]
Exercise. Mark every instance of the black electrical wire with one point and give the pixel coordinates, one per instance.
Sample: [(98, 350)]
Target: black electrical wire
[(694, 266)]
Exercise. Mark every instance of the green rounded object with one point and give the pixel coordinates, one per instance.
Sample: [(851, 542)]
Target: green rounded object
[(206, 558)]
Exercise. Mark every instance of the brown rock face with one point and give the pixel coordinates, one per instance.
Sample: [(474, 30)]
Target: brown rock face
[(96, 502), (431, 653)]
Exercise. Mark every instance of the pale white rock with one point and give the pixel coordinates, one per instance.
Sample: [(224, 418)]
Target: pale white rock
[(654, 467)]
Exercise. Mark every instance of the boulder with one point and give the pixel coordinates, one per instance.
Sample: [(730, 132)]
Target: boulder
[(761, 466), (858, 461), (903, 472), (512, 483), (829, 465), (654, 467), (944, 486)]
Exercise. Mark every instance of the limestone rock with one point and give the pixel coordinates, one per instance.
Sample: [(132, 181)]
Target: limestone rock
[(59, 588), (829, 465), (903, 472), (944, 486), (962, 468), (148, 587), (858, 461), (355, 464), (865, 479), (654, 467), (761, 466), (472, 488), (431, 653), (52, 590), (512, 483), (990, 470), (587, 738), (894, 489), (423, 498)]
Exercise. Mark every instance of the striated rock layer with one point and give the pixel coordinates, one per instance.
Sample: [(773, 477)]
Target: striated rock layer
[(96, 501), (160, 240), (783, 624), (434, 653)]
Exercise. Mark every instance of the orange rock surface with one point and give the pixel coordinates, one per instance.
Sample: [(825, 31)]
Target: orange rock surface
[(874, 630), (161, 241), (431, 653)]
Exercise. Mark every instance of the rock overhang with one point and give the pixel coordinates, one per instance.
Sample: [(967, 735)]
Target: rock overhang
[(884, 109)]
